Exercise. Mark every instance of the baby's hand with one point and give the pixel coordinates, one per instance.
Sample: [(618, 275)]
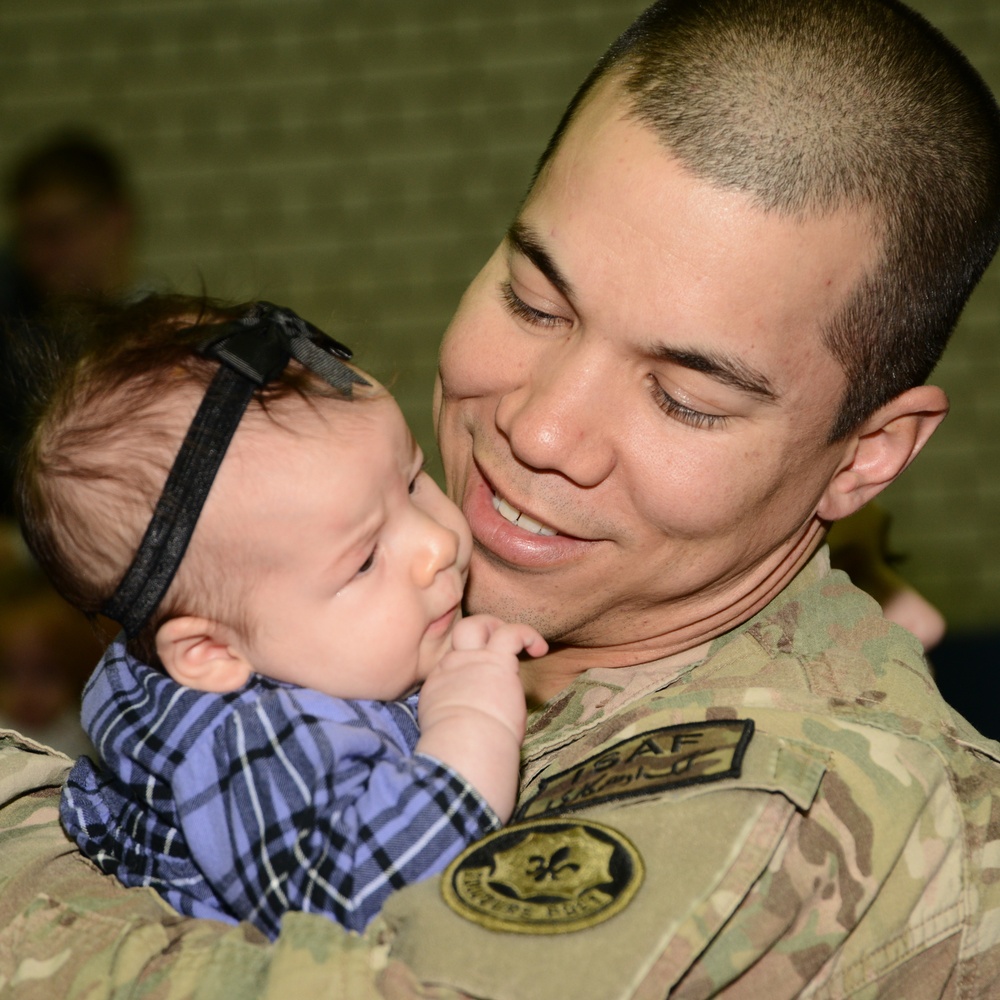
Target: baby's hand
[(479, 631), (472, 710), (481, 674)]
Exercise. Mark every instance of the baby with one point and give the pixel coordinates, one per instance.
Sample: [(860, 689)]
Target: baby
[(257, 722)]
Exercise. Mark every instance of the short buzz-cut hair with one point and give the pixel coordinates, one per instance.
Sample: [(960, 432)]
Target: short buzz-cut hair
[(813, 106), (107, 429)]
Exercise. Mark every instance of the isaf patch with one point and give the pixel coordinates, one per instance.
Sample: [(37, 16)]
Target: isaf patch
[(647, 764), (544, 877)]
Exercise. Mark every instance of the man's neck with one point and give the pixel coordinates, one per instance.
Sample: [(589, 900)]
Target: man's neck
[(685, 638)]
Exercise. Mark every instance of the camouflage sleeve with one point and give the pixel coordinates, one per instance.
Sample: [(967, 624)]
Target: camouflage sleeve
[(844, 909), (68, 931)]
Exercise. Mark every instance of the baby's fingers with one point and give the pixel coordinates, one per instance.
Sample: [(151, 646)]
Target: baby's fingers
[(517, 638), (474, 632), (490, 632)]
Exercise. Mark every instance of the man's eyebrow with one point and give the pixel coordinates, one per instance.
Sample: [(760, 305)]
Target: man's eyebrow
[(525, 241), (722, 367)]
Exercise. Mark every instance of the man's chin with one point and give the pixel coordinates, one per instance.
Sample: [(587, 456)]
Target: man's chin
[(516, 599)]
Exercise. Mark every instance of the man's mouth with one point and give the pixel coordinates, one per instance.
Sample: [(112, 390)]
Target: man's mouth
[(512, 514)]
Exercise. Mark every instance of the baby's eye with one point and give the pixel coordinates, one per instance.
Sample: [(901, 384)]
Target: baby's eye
[(367, 564)]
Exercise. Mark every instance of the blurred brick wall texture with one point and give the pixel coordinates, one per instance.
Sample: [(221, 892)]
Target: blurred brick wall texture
[(360, 160)]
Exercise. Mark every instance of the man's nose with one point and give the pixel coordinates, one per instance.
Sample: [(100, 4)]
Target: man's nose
[(556, 419), (436, 550)]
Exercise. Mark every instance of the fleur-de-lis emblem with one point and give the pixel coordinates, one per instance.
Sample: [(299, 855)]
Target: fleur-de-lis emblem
[(541, 868), (546, 876), (564, 863)]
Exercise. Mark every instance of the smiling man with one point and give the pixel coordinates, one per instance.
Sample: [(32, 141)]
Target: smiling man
[(704, 338), (651, 464)]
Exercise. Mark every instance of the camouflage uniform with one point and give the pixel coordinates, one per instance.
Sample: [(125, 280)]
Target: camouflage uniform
[(66, 931), (798, 814)]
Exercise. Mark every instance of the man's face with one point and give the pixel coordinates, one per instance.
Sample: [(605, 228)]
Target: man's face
[(358, 558), (638, 370)]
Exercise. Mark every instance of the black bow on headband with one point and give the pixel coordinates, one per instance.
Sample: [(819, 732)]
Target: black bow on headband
[(254, 350)]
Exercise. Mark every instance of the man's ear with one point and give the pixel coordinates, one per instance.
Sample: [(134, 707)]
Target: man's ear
[(882, 448), (195, 653)]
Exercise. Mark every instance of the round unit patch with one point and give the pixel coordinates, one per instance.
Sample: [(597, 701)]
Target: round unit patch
[(544, 876)]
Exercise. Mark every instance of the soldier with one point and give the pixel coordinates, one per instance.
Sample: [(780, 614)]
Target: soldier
[(704, 338)]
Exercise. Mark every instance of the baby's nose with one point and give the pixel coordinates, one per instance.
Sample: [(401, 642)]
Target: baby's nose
[(438, 552)]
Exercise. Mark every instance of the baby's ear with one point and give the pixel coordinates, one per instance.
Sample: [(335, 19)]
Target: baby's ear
[(195, 653)]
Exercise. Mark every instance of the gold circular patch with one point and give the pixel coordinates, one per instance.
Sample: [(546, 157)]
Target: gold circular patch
[(544, 876)]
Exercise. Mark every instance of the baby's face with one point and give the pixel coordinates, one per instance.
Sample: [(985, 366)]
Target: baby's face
[(357, 560)]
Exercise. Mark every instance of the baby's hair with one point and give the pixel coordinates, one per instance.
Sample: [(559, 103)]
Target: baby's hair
[(99, 450)]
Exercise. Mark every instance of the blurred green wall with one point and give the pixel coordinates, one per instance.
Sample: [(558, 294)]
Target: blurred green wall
[(359, 161)]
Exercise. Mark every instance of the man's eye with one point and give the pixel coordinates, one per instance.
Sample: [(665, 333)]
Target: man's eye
[(517, 307), (677, 410)]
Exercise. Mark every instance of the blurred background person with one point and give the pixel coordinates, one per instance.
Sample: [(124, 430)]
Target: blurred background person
[(71, 245), (72, 224), (47, 652)]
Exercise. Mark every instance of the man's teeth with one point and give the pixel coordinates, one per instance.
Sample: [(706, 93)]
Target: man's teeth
[(513, 515)]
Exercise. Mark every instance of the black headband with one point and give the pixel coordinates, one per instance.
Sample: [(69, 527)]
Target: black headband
[(254, 351)]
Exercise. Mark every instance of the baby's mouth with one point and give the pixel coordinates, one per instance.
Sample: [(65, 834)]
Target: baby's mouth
[(512, 514)]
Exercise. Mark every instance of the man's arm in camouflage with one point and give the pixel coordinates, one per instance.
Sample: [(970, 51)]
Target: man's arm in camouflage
[(68, 931)]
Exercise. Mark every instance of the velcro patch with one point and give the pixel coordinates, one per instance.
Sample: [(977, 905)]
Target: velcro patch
[(544, 877), (652, 762)]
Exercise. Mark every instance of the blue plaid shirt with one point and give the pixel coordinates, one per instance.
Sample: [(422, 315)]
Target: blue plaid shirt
[(242, 806)]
